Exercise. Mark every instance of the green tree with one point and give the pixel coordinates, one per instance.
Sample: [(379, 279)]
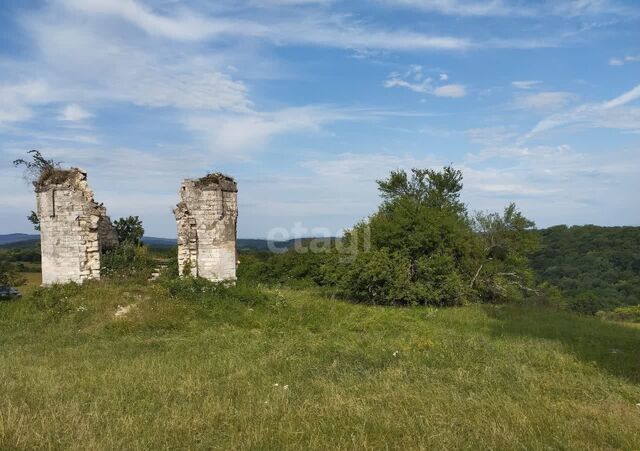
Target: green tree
[(508, 241), (426, 250), (436, 189), (129, 230), (422, 246)]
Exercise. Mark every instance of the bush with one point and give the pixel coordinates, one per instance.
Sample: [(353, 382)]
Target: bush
[(55, 298), (206, 292), (630, 314), (128, 260)]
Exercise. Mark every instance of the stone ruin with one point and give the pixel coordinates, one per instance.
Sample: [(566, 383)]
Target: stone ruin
[(74, 229), (206, 217)]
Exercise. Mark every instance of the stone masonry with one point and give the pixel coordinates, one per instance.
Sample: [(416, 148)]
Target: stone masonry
[(207, 217), (74, 229)]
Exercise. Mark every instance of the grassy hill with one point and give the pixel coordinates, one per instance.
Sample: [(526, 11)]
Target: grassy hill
[(192, 367)]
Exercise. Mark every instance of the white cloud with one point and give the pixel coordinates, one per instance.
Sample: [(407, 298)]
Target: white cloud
[(490, 136), (232, 136), (185, 27), (611, 114), (513, 8), (74, 112), (623, 99), (464, 7), (414, 80), (304, 28), (616, 61), (544, 100), (132, 71), (525, 84), (453, 90), (17, 99)]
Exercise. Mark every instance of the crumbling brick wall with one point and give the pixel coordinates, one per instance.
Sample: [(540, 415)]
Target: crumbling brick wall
[(74, 229), (207, 219)]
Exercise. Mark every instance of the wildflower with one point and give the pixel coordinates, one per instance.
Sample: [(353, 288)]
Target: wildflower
[(276, 384), (286, 387), (395, 354)]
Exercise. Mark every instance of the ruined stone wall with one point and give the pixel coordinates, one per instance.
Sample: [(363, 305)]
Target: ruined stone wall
[(207, 219), (74, 229)]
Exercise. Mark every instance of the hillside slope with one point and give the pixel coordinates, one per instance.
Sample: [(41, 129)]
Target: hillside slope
[(294, 370), (597, 268)]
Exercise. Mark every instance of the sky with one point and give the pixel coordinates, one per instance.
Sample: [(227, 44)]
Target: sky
[(307, 102)]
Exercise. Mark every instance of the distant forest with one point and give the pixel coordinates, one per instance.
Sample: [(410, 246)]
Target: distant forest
[(597, 268)]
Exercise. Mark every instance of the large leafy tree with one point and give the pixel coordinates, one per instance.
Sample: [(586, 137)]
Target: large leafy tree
[(421, 247), (129, 230)]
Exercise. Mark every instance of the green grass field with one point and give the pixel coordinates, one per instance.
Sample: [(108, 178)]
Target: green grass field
[(299, 371)]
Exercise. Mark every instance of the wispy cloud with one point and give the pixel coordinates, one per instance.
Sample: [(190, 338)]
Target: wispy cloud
[(621, 61), (234, 136), (513, 8), (73, 113), (525, 84), (312, 29), (16, 100), (612, 114), (414, 80), (549, 100)]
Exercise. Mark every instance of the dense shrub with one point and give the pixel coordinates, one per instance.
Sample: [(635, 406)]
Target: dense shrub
[(128, 260), (629, 314), (420, 247), (55, 298)]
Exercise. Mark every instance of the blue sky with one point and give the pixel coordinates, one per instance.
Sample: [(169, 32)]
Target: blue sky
[(308, 102)]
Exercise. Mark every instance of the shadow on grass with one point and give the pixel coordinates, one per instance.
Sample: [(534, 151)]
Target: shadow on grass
[(612, 347)]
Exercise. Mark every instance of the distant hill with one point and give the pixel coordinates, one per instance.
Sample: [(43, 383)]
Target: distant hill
[(17, 237), (158, 242), (23, 239)]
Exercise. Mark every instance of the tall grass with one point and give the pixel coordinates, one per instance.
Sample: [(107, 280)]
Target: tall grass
[(195, 366)]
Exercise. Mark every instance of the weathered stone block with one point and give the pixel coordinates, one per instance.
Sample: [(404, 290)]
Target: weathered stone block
[(207, 220), (73, 228)]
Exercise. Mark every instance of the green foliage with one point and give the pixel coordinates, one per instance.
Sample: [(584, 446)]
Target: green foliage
[(56, 298), (629, 314), (425, 250), (436, 189), (129, 230), (8, 274), (299, 267), (596, 268), (202, 291), (507, 242), (33, 219), (419, 248), (128, 260)]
